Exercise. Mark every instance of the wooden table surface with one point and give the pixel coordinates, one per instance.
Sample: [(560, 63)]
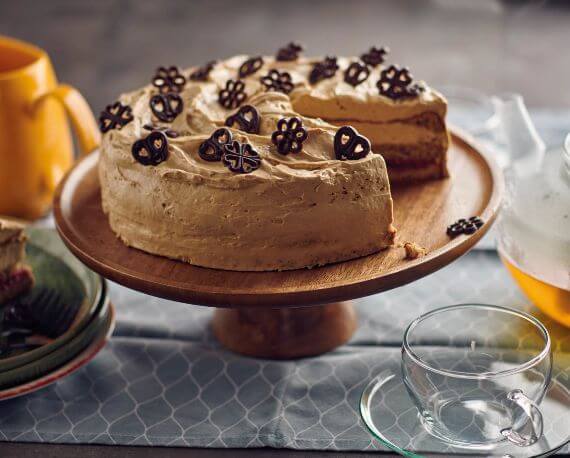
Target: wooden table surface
[(109, 46)]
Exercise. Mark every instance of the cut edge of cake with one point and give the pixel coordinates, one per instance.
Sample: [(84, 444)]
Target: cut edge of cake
[(16, 276)]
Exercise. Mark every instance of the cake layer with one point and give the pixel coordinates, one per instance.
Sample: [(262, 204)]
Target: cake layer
[(12, 252), (410, 174), (420, 141)]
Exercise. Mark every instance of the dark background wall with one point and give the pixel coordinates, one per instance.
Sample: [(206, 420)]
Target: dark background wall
[(105, 47)]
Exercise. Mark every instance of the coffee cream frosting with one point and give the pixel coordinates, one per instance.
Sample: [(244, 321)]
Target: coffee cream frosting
[(298, 210)]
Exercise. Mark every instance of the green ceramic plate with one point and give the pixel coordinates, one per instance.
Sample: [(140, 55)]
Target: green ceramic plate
[(70, 366), (55, 267), (56, 358)]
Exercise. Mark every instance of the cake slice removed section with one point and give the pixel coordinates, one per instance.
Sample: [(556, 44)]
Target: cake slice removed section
[(15, 275), (409, 132)]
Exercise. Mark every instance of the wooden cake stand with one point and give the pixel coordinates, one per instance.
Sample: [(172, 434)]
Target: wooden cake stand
[(295, 313)]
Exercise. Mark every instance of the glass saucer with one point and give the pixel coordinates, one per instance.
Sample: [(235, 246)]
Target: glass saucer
[(393, 419)]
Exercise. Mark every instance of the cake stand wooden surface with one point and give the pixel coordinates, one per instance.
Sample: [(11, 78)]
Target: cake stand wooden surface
[(263, 313)]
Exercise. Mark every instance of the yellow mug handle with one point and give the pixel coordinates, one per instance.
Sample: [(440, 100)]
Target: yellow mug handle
[(81, 116)]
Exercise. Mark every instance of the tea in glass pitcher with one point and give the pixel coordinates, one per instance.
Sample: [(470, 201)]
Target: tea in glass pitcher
[(534, 233)]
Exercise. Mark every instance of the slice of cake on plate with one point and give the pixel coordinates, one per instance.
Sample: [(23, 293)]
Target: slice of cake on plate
[(15, 275)]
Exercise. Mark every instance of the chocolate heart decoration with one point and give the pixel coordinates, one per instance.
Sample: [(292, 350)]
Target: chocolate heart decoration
[(247, 119), (241, 157), (166, 106), (151, 150), (348, 144), (212, 149)]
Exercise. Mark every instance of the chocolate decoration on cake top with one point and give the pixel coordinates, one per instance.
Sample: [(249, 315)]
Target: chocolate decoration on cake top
[(202, 73), (169, 79), (166, 130), (464, 226), (289, 52), (151, 150), (349, 144), (375, 56), (323, 70), (212, 149), (250, 66), (166, 107), (277, 81), (114, 116), (241, 157), (247, 119), (356, 74), (233, 95), (289, 136), (395, 83)]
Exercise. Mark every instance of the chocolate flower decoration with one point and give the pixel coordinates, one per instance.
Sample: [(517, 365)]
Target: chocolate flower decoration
[(213, 149), (348, 144), (374, 56), (165, 130), (323, 70), (151, 150), (277, 81), (395, 83), (356, 74), (464, 226), (115, 116), (202, 73), (169, 79), (247, 118), (241, 157), (166, 106), (289, 136), (233, 95), (289, 52), (250, 66)]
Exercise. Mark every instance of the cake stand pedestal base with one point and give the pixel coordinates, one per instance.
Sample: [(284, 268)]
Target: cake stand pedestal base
[(285, 333)]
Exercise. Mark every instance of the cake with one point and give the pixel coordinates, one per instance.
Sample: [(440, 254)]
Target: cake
[(15, 276), (268, 163)]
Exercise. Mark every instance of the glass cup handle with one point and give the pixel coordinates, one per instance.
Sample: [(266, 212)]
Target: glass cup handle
[(534, 415)]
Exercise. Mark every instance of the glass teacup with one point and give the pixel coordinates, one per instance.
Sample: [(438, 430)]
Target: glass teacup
[(477, 374)]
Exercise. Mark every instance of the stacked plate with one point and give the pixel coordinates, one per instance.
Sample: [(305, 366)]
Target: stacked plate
[(80, 289)]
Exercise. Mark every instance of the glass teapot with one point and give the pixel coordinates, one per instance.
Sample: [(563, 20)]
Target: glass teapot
[(533, 231)]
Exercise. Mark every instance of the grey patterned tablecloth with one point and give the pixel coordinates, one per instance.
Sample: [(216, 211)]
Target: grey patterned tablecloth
[(164, 380)]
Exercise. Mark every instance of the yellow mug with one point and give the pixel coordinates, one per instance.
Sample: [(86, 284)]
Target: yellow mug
[(36, 147)]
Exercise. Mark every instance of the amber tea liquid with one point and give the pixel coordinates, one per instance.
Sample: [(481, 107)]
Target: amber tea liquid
[(551, 299)]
